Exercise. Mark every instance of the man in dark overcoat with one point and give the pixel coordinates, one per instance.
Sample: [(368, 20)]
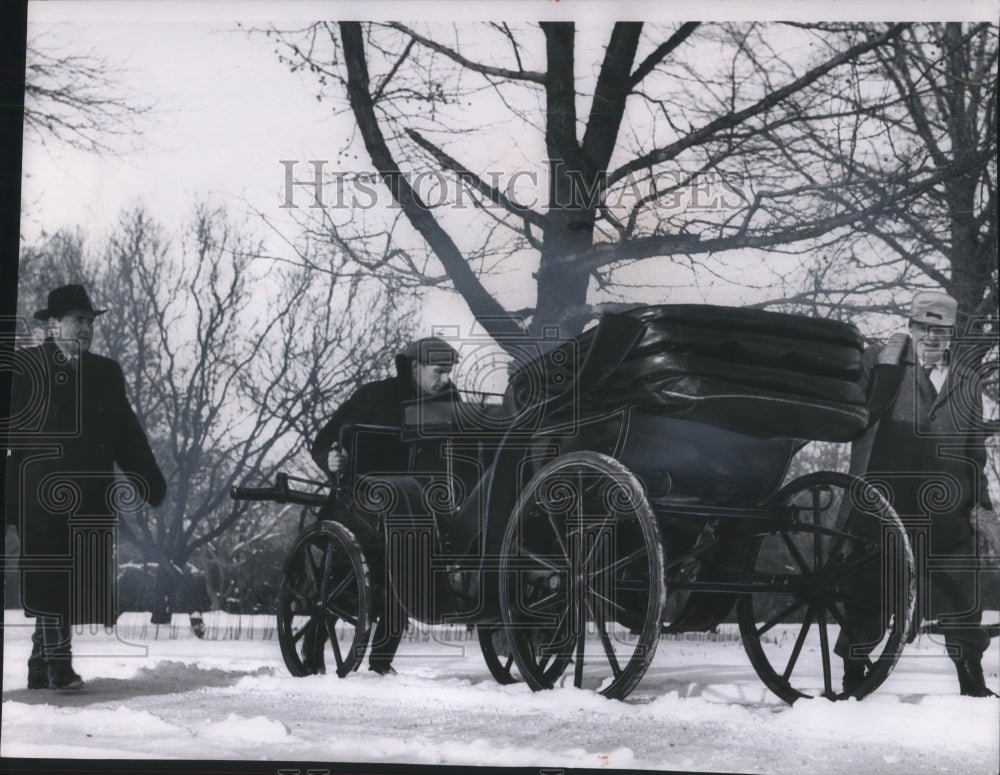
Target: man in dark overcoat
[(423, 371), (71, 424), (927, 452)]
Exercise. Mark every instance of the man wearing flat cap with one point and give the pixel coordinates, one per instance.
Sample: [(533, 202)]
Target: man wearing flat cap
[(423, 372), (71, 425), (927, 449)]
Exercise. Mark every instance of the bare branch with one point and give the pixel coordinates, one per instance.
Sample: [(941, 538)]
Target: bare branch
[(496, 72)]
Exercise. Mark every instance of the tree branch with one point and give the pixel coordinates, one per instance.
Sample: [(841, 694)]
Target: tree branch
[(734, 119), (465, 175), (497, 72), (662, 52), (482, 304)]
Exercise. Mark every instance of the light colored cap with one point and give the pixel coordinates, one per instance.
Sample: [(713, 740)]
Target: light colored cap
[(431, 350), (933, 308)]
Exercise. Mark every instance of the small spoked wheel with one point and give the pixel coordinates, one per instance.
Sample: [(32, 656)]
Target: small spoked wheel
[(834, 578), (325, 602), (581, 577), (500, 659)]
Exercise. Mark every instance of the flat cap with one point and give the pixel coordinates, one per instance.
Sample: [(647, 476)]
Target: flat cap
[(933, 308), (431, 350)]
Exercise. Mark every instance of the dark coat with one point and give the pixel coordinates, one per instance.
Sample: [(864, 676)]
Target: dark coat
[(70, 428), (927, 452), (929, 449), (375, 403)]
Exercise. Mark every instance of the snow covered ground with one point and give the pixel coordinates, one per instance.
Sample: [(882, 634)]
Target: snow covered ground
[(161, 693)]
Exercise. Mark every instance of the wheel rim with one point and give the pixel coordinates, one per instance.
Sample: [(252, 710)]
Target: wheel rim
[(835, 536), (500, 658), (582, 577), (324, 613)]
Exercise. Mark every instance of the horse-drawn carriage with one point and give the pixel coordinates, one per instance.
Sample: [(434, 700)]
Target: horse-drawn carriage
[(640, 460)]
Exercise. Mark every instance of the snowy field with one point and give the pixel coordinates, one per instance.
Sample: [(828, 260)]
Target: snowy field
[(161, 693)]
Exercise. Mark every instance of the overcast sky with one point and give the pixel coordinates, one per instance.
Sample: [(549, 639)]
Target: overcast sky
[(225, 111)]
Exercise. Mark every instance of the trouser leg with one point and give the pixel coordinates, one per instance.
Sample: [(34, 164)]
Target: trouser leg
[(864, 617), (966, 640), (38, 676), (388, 632), (966, 647), (57, 639)]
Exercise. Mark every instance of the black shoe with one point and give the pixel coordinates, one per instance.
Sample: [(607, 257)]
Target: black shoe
[(854, 675), (38, 679), (970, 678), (382, 669), (65, 680)]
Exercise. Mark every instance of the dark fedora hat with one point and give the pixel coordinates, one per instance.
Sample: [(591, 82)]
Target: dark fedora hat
[(68, 298)]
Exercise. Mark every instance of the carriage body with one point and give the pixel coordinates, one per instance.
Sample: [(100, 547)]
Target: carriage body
[(645, 456)]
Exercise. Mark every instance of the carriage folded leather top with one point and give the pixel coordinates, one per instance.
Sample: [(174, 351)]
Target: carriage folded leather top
[(753, 371)]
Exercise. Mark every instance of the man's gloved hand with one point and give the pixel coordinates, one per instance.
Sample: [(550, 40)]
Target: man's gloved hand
[(894, 350), (335, 459)]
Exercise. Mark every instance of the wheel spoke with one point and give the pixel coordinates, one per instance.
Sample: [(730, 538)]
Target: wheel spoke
[(833, 561), (591, 541), (633, 585), (817, 537), (623, 561), (549, 648), (545, 602), (327, 577), (327, 569), (343, 614), (312, 570), (543, 560), (843, 533), (349, 578), (794, 551), (315, 639), (597, 535), (607, 600), (579, 606), (799, 641), (824, 645), (852, 636), (345, 611), (297, 636), (779, 617), (856, 563), (580, 642), (331, 629), (558, 535), (609, 651)]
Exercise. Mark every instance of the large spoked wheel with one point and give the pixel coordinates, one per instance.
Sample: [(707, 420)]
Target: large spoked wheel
[(836, 564), (500, 659), (325, 602), (581, 577)]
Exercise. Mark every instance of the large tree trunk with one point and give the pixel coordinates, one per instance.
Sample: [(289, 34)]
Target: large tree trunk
[(577, 172)]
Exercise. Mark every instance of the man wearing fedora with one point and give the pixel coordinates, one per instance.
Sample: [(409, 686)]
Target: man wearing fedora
[(423, 372), (71, 424), (927, 449)]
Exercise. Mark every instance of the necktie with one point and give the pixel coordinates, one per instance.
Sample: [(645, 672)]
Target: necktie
[(928, 369)]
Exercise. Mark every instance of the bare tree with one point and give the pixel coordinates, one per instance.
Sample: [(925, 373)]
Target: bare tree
[(928, 110), (76, 98), (230, 365), (695, 145)]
